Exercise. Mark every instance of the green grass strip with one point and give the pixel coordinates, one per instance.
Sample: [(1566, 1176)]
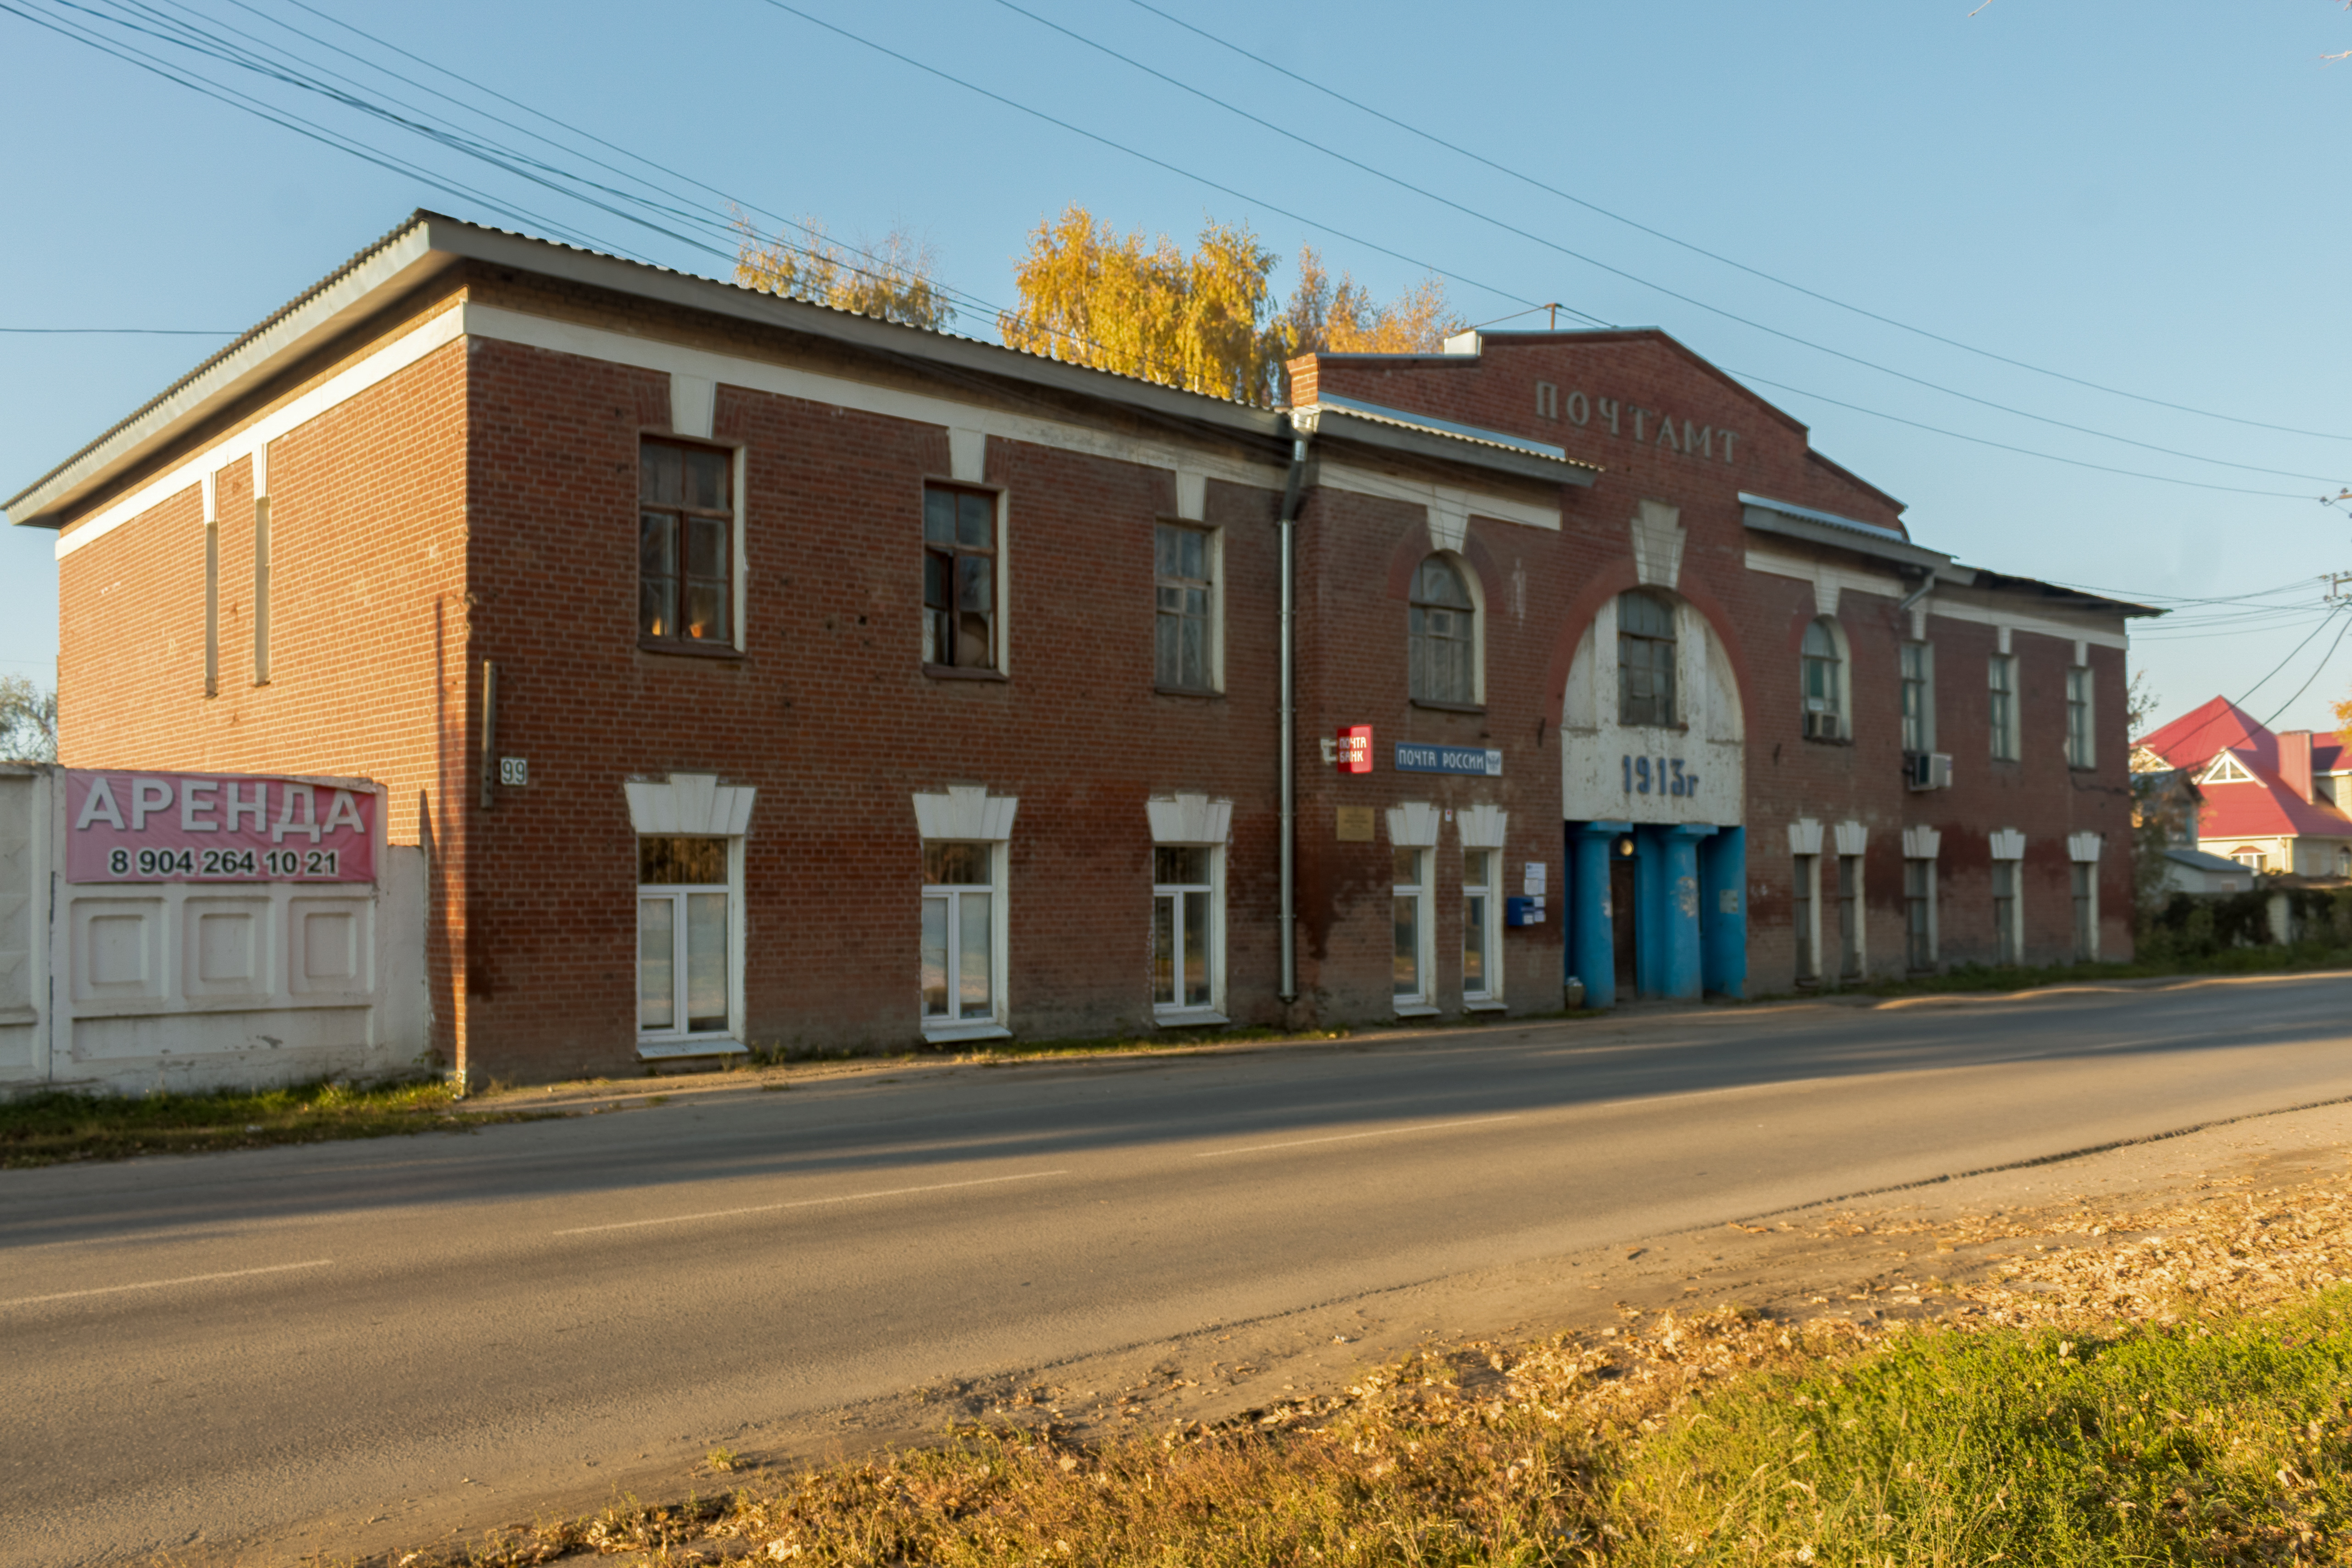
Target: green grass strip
[(57, 1126), (2198, 1442)]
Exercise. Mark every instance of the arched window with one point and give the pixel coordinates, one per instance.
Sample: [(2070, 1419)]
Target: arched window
[(1444, 650), (1645, 660), (1823, 663)]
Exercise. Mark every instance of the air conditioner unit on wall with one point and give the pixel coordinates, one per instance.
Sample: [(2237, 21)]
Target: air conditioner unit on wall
[(1928, 769), (1820, 726)]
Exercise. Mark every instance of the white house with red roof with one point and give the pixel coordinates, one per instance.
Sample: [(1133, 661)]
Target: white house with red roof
[(2272, 802)]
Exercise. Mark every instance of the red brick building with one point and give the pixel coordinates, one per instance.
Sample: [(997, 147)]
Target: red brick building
[(760, 675)]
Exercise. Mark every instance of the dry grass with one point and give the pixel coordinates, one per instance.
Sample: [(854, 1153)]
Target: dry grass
[(2173, 1390)]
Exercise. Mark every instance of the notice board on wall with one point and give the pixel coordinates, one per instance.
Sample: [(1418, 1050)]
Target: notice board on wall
[(134, 827)]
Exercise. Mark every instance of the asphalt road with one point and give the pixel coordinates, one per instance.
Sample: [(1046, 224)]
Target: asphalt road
[(216, 1347)]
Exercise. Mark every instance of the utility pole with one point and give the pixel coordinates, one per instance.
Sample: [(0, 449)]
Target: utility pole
[(2337, 583)]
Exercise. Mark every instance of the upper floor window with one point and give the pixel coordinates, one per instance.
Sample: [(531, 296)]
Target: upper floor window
[(1645, 660), (686, 546), (1822, 661), (2002, 682), (1919, 697), (2079, 750), (960, 622), (1445, 652), (1184, 633)]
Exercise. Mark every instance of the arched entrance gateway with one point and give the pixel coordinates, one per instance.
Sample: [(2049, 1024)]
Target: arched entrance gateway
[(1653, 790)]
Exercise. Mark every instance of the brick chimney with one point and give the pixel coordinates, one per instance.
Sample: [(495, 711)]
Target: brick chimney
[(2294, 761)]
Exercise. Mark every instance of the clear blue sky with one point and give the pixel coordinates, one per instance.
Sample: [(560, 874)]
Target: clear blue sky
[(2145, 196)]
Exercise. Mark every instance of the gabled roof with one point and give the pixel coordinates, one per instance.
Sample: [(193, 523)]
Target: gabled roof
[(2192, 740), (2235, 760), (2266, 808)]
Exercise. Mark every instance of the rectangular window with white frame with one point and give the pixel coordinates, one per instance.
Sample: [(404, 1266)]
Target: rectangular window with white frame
[(2083, 873), (1412, 897), (963, 925), (1920, 914), (1186, 656), (2001, 701), (1919, 697), (1481, 946), (1805, 917), (2085, 880), (1850, 931), (1187, 932), (2008, 923), (688, 914), (2081, 750)]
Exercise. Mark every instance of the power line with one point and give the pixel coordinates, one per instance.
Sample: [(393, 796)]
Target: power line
[(119, 332), (1715, 256), (1137, 154), (2003, 446), (2315, 672), (1527, 234), (441, 132), (444, 134), (2282, 664), (207, 88), (487, 151)]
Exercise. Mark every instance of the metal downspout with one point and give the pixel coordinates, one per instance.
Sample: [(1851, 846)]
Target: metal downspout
[(1288, 523)]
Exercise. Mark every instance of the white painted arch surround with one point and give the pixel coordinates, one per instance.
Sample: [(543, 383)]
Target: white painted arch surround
[(1712, 738)]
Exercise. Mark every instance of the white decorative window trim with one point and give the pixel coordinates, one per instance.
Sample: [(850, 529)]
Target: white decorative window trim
[(689, 806), (1192, 495), (693, 404), (967, 454), (1483, 826), (1658, 536), (1190, 819), (1413, 824), (2084, 847), (2007, 843), (1922, 843), (1853, 838), (966, 813), (1804, 836)]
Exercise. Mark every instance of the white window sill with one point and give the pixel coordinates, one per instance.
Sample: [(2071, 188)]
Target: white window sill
[(1483, 1005), (949, 1034), (661, 1049), (1417, 1010), (1186, 1018)]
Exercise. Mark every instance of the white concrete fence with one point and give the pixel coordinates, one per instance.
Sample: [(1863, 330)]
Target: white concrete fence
[(132, 985)]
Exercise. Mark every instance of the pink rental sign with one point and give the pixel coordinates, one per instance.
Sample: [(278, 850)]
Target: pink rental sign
[(217, 828)]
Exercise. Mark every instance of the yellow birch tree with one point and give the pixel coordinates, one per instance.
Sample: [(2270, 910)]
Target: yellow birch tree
[(1205, 320), (895, 279)]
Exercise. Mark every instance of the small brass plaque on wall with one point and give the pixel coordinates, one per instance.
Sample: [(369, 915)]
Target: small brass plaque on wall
[(1354, 825)]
